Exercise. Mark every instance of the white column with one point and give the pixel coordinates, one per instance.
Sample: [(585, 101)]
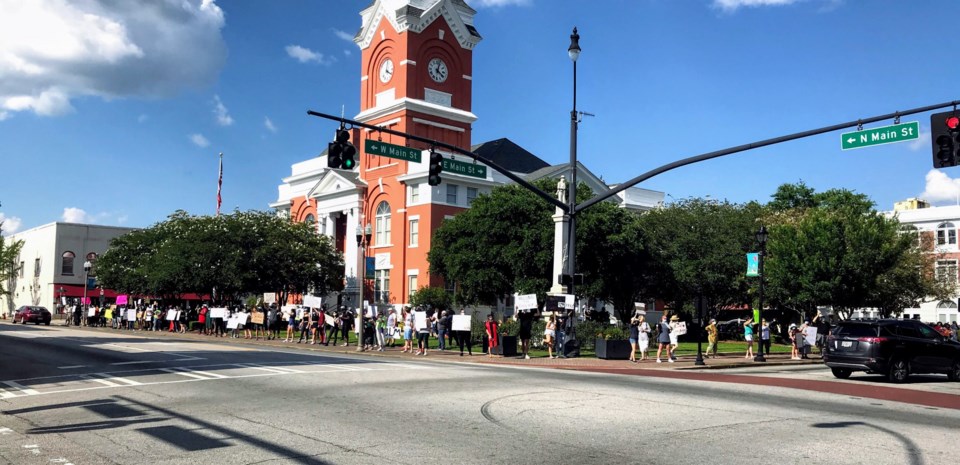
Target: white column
[(561, 228)]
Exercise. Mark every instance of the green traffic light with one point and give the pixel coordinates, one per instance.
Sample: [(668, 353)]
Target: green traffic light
[(349, 163)]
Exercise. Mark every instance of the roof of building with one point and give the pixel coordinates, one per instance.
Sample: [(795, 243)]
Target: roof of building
[(509, 155)]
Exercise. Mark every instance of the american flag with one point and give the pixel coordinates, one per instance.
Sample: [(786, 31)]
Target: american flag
[(220, 184)]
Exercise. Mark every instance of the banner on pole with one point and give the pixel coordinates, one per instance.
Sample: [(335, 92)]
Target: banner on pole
[(753, 265)]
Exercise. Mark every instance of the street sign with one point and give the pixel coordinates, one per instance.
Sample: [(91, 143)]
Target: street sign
[(879, 136), (383, 149), (465, 169), (753, 265)]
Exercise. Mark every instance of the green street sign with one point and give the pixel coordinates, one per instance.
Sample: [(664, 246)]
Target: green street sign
[(879, 136), (383, 149), (465, 169)]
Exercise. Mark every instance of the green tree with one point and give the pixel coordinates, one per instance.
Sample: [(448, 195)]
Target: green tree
[(432, 297), (9, 267)]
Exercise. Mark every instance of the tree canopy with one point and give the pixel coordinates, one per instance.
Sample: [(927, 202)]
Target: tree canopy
[(230, 255)]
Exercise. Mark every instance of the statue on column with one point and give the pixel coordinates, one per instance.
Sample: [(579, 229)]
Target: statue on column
[(562, 189)]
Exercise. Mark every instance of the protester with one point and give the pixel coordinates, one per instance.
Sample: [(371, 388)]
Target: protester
[(764, 336), (525, 317), (634, 337), (712, 334), (674, 336), (644, 341), (423, 338), (550, 334), (794, 349), (443, 327), (391, 327), (381, 329), (463, 338), (663, 339), (407, 330), (291, 316), (493, 335), (748, 337)]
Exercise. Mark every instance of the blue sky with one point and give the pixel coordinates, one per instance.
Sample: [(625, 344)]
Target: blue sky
[(118, 118)]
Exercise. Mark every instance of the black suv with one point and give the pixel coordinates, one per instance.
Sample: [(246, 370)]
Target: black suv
[(895, 348)]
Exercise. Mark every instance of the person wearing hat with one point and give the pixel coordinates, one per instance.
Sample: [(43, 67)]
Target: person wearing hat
[(674, 337), (794, 351), (712, 334)]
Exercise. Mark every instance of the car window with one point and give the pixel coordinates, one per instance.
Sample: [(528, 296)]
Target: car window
[(888, 331), (928, 332), (908, 330), (856, 330)]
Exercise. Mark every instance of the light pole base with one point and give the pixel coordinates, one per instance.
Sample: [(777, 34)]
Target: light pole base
[(759, 358), (699, 361)]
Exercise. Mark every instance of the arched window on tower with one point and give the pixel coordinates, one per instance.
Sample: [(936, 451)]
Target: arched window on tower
[(311, 221), (383, 224)]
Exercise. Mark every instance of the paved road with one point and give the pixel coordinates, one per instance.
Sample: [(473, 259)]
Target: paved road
[(73, 396)]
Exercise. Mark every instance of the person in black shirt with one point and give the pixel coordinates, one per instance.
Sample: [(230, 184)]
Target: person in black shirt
[(525, 317)]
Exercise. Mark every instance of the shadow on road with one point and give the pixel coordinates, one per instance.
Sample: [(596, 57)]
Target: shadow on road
[(916, 457)]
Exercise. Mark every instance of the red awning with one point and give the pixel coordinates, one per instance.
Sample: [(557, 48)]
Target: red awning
[(76, 290)]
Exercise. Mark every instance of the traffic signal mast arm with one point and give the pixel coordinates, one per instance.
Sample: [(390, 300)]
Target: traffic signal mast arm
[(755, 145), (433, 143)]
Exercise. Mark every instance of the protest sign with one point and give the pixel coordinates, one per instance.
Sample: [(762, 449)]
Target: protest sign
[(131, 314), (243, 318), (461, 323), (681, 328), (218, 312), (420, 320), (122, 300), (526, 302), (92, 312), (257, 318), (232, 323)]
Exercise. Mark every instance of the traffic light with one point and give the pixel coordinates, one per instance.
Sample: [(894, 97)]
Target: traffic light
[(340, 152), (436, 167), (945, 135)]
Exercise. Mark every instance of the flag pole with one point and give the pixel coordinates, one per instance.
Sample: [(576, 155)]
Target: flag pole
[(220, 185)]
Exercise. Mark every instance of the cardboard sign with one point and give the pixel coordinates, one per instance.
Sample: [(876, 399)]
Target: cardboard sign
[(525, 302), (122, 299), (461, 323), (681, 328), (257, 318), (420, 320)]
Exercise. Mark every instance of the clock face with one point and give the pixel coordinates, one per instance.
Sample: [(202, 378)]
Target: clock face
[(386, 71), (437, 70)]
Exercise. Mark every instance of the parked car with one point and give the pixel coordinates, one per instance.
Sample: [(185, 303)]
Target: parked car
[(32, 314), (895, 348)]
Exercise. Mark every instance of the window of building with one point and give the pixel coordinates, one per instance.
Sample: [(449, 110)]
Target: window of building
[(946, 234), (66, 268), (383, 224), (36, 268), (20, 273), (414, 232), (311, 221), (452, 193), (414, 193), (412, 283), (947, 271), (471, 195), (947, 304), (381, 285)]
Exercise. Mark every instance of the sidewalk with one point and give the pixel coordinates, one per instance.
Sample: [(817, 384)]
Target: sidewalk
[(686, 362)]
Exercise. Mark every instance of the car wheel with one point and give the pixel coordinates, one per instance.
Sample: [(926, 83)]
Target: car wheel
[(954, 373), (898, 371), (842, 373), (46, 323)]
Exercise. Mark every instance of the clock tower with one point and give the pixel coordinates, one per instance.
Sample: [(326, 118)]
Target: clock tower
[(415, 77)]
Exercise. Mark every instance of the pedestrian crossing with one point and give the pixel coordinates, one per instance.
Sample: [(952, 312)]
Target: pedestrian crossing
[(143, 377)]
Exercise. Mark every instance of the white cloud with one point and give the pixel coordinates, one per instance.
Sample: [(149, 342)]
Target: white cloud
[(4, 115), (221, 112), (305, 55), (142, 118), (922, 143), (76, 215), (122, 219), (269, 125), (499, 3), (347, 52), (10, 224), (732, 5), (343, 35), (52, 51), (199, 140), (941, 188)]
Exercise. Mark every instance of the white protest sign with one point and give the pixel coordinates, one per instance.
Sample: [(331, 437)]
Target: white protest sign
[(92, 312), (270, 298), (171, 315), (242, 318), (131, 314), (312, 301), (568, 302), (461, 323), (420, 320), (218, 312), (232, 323), (525, 302), (681, 328), (811, 335), (328, 319)]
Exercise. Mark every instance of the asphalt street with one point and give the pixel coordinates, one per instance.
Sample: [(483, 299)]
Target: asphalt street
[(70, 396)]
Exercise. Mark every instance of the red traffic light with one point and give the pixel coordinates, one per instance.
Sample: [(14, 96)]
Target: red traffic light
[(953, 122)]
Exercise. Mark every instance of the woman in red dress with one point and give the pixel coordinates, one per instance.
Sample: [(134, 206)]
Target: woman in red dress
[(492, 334)]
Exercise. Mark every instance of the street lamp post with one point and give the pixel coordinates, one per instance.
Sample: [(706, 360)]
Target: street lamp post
[(86, 277), (762, 239), (574, 52), (363, 237)]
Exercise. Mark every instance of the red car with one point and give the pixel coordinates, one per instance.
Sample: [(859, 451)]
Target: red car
[(32, 314)]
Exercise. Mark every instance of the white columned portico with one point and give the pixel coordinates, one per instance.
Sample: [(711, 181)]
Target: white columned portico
[(561, 233)]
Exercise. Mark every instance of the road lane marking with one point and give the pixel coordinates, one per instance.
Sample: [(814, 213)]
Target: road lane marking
[(205, 373), (183, 373), (136, 362), (106, 379), (72, 367), (5, 431), (4, 394), (21, 387), (102, 381), (272, 369)]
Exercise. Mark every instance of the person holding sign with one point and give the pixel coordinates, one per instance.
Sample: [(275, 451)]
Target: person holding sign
[(407, 330), (422, 322), (461, 326), (525, 317)]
